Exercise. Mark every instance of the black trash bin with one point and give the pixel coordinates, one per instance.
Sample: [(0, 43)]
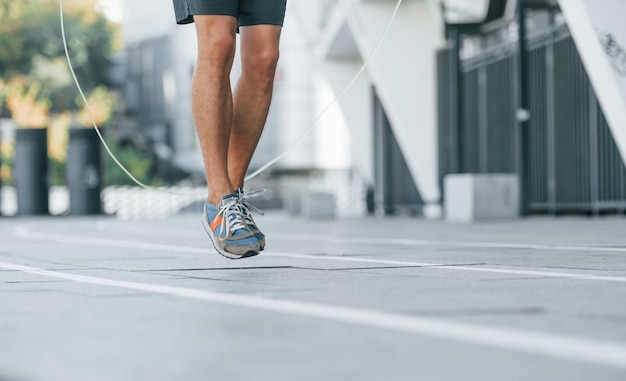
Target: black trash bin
[(83, 171), (30, 171)]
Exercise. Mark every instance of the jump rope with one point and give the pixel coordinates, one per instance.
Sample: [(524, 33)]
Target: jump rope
[(290, 148)]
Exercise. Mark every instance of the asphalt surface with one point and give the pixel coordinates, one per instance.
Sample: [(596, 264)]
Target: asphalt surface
[(351, 299)]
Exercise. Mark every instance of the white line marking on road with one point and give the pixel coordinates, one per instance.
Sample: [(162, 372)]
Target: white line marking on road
[(580, 349), (455, 244), (550, 274), (23, 232), (408, 242)]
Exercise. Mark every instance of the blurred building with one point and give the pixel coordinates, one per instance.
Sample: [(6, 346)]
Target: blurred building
[(534, 89), (391, 110), (488, 86), (458, 86)]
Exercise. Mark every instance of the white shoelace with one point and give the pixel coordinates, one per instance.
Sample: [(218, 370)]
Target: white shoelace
[(231, 221), (248, 208)]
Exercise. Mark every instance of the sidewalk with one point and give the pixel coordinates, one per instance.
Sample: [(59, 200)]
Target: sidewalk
[(349, 299)]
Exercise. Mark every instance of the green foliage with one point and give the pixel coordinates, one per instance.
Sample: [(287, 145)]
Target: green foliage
[(136, 161), (32, 54), (57, 172), (15, 29), (6, 164), (31, 45), (102, 104)]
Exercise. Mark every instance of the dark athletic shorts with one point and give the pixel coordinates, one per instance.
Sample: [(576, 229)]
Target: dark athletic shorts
[(247, 12)]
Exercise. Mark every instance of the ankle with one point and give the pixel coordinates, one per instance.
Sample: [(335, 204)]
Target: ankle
[(215, 197)]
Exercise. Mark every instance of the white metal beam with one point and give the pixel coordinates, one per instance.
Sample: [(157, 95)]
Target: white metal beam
[(585, 21)]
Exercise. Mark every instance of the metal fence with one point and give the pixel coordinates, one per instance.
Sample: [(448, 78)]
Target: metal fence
[(395, 189), (571, 161)]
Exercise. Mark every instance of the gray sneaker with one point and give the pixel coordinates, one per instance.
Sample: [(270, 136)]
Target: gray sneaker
[(227, 229)]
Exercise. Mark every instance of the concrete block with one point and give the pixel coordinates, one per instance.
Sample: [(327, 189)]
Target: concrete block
[(478, 197), (317, 205)]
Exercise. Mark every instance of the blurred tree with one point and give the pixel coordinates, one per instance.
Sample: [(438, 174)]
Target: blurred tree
[(13, 37), (4, 89), (36, 87), (6, 161), (58, 136), (26, 106), (136, 161), (31, 45), (101, 103)]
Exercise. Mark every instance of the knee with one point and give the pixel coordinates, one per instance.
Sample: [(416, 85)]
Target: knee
[(262, 66), (216, 54)]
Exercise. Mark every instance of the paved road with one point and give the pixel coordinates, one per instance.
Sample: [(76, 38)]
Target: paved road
[(363, 299)]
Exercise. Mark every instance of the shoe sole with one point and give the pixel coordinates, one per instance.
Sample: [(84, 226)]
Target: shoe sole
[(224, 253)]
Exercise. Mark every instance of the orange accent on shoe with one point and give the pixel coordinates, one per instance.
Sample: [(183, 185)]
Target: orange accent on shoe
[(216, 222)]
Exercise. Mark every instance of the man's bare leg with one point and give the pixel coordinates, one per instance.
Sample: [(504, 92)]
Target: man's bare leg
[(253, 94), (212, 101), (212, 105)]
